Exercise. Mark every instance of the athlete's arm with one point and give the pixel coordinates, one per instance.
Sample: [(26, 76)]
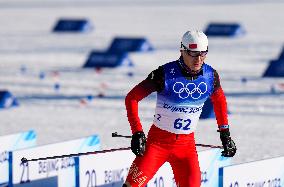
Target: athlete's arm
[(152, 83), (218, 99)]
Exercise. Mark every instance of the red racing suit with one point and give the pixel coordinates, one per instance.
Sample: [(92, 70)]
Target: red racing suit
[(176, 147)]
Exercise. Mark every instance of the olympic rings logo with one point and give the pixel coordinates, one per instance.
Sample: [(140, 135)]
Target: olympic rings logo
[(190, 89)]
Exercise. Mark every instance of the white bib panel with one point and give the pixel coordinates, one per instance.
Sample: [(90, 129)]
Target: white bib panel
[(178, 119)]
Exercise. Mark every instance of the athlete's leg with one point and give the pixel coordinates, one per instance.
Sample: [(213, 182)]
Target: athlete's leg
[(186, 169), (144, 168)]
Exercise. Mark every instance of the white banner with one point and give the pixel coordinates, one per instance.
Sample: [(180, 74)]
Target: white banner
[(63, 167), (10, 143), (263, 173), (104, 168), (210, 161), (112, 167)]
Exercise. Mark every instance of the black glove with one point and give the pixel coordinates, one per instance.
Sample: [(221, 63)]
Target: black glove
[(228, 144), (138, 143)]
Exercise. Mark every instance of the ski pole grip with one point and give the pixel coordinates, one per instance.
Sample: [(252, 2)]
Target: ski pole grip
[(114, 134)]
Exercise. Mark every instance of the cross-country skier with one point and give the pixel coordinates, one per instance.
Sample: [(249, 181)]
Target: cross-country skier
[(182, 87)]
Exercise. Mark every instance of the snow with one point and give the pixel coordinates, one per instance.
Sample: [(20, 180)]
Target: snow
[(27, 43)]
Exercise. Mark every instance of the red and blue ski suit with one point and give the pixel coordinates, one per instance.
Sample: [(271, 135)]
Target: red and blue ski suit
[(180, 98)]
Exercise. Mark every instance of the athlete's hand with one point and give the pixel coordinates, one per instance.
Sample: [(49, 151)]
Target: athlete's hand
[(138, 143), (228, 144)]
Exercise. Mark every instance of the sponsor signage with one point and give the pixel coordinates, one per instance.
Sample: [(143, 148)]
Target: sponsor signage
[(10, 143), (62, 167), (112, 168), (263, 173)]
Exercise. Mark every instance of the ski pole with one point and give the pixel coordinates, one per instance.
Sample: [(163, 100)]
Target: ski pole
[(115, 134), (208, 145), (24, 160)]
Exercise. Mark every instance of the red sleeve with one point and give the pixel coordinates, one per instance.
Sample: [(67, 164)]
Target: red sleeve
[(218, 99), (140, 91)]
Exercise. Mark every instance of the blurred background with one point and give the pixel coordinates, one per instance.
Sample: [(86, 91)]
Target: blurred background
[(68, 81)]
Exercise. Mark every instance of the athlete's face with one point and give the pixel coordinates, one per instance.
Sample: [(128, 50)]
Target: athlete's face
[(193, 59)]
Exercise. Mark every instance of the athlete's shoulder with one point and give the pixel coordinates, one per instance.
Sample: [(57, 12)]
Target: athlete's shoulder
[(170, 64), (216, 79), (156, 74), (208, 67), (157, 77), (160, 71)]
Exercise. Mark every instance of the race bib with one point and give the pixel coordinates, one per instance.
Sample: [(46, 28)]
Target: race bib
[(177, 119)]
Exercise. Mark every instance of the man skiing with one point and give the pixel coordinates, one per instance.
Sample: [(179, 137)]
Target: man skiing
[(182, 87)]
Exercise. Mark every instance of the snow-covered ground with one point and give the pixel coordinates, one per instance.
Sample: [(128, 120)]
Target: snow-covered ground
[(28, 48)]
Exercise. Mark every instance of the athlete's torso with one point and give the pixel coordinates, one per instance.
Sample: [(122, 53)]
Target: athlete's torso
[(180, 103)]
